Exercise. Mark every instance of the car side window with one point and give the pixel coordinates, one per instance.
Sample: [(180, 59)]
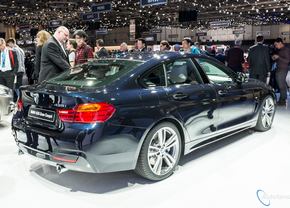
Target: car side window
[(154, 77), (182, 72), (215, 72)]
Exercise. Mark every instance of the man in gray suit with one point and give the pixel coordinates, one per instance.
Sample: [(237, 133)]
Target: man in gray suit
[(259, 60), (54, 59)]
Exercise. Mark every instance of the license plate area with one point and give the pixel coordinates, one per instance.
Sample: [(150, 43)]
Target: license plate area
[(41, 114)]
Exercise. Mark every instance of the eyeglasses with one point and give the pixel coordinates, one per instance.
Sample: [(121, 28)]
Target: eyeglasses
[(1, 44), (66, 35)]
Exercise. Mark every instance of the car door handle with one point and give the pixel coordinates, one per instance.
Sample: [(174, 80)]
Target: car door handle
[(179, 96), (222, 92)]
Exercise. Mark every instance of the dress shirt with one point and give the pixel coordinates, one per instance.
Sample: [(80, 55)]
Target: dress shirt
[(6, 64), (61, 46)]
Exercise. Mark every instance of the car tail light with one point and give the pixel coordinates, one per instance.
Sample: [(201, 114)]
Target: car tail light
[(67, 115), (87, 113), (19, 105)]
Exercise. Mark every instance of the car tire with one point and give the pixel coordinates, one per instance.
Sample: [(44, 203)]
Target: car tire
[(266, 114), (160, 153)]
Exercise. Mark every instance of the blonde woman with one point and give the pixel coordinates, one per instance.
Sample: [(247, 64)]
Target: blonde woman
[(42, 37)]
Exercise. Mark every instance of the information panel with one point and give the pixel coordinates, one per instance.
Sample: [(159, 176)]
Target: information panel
[(103, 7), (285, 33), (219, 24), (102, 31), (155, 31), (237, 32), (264, 33), (55, 23), (201, 34), (90, 16), (144, 3)]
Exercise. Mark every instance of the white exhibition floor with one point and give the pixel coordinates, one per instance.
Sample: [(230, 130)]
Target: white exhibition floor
[(226, 174)]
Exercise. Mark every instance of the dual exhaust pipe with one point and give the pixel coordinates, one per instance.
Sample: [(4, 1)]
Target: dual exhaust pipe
[(59, 168)]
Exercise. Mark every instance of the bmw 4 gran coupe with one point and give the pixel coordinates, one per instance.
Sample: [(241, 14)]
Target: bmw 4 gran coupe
[(139, 111)]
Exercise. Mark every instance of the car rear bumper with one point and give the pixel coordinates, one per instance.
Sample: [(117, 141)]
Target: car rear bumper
[(107, 154), (80, 163)]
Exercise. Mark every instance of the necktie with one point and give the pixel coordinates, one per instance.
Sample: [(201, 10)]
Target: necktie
[(3, 59)]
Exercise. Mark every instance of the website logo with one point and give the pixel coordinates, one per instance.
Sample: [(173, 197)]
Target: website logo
[(263, 198)]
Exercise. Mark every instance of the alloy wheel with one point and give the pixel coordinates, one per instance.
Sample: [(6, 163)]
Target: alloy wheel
[(268, 112), (163, 151)]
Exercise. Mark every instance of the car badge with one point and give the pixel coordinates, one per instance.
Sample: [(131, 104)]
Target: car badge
[(36, 97)]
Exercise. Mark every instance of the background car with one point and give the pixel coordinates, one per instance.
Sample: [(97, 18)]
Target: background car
[(138, 112), (5, 101)]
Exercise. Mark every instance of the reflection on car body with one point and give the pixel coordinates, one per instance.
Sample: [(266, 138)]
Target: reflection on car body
[(137, 112), (6, 104)]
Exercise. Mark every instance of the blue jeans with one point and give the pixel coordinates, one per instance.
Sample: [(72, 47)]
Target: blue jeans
[(281, 81)]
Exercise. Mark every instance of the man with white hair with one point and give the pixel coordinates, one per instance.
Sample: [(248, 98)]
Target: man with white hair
[(235, 57), (54, 59), (123, 47)]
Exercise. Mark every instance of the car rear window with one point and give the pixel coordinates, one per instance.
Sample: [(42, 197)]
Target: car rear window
[(95, 74)]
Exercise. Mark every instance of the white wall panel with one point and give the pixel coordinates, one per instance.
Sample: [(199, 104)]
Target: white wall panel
[(283, 28), (121, 34)]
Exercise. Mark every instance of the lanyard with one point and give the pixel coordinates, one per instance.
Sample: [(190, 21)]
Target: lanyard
[(3, 59)]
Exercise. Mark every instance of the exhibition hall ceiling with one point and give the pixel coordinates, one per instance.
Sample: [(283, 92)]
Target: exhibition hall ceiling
[(237, 12)]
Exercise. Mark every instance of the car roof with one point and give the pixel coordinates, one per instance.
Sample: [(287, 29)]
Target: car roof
[(146, 56)]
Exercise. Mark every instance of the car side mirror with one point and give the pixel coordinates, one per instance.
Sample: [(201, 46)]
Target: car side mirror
[(240, 77)]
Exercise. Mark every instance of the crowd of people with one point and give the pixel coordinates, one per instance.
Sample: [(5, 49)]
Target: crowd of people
[(57, 53)]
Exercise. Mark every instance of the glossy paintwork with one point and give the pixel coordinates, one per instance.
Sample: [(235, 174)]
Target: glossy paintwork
[(5, 100), (200, 113)]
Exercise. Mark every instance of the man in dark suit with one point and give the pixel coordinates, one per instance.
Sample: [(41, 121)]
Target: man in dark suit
[(141, 44), (54, 59), (101, 50), (259, 60)]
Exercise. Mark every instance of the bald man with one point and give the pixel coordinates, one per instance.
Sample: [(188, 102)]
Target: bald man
[(54, 59)]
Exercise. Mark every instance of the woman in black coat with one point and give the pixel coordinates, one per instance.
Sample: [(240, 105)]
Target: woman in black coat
[(42, 37)]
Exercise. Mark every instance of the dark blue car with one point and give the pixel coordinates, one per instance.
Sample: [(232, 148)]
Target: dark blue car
[(137, 112)]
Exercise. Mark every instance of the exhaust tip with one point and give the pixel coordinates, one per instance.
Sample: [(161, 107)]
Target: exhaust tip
[(20, 152), (60, 169)]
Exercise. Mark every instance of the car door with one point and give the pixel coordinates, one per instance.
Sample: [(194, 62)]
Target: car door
[(195, 101), (236, 100)]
